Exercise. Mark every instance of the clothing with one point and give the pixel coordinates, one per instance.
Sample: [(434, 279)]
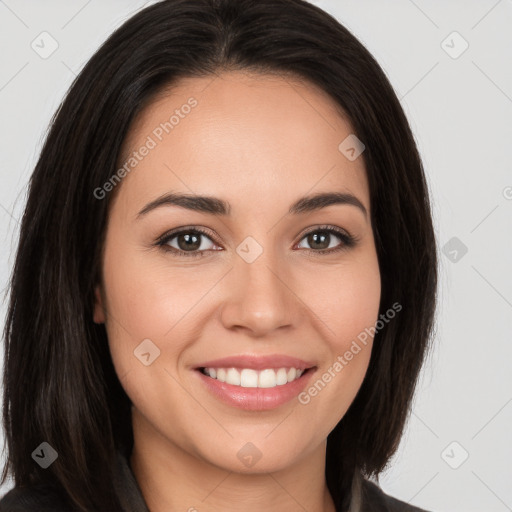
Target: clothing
[(40, 499)]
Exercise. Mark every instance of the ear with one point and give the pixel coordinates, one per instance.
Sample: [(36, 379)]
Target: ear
[(99, 310)]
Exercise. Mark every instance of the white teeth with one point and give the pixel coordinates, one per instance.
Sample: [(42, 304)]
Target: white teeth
[(267, 379), (281, 377), (233, 377), (249, 378)]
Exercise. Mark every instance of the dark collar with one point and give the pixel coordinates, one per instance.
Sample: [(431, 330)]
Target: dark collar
[(127, 487)]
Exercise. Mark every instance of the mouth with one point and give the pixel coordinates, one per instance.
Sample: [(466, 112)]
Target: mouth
[(255, 383), (251, 378)]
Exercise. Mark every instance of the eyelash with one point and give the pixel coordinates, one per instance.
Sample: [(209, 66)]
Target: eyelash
[(348, 241)]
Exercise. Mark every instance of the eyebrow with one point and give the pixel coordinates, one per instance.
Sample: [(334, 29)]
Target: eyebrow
[(219, 207)]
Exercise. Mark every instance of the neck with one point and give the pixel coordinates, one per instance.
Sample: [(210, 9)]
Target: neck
[(171, 478)]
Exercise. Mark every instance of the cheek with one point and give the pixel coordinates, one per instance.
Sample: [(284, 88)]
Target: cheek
[(147, 291), (144, 301), (347, 301), (150, 308), (346, 298)]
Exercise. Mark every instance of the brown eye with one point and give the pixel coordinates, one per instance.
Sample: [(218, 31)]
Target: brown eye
[(324, 240), (187, 242), (319, 240)]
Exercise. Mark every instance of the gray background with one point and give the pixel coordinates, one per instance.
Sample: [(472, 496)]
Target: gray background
[(460, 107)]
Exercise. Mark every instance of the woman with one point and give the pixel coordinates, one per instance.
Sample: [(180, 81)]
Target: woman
[(226, 277)]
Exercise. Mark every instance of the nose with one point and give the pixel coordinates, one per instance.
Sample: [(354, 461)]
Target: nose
[(260, 297)]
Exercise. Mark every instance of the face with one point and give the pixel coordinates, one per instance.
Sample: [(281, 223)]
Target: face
[(254, 273)]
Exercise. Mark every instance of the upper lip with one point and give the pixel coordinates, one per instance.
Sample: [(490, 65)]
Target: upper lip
[(257, 362)]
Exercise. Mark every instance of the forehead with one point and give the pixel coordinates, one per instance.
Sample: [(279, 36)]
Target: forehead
[(263, 136)]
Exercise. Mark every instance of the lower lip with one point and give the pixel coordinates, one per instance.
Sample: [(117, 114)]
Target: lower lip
[(255, 399)]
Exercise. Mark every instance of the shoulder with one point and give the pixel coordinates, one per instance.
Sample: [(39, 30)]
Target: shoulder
[(375, 500), (29, 499)]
